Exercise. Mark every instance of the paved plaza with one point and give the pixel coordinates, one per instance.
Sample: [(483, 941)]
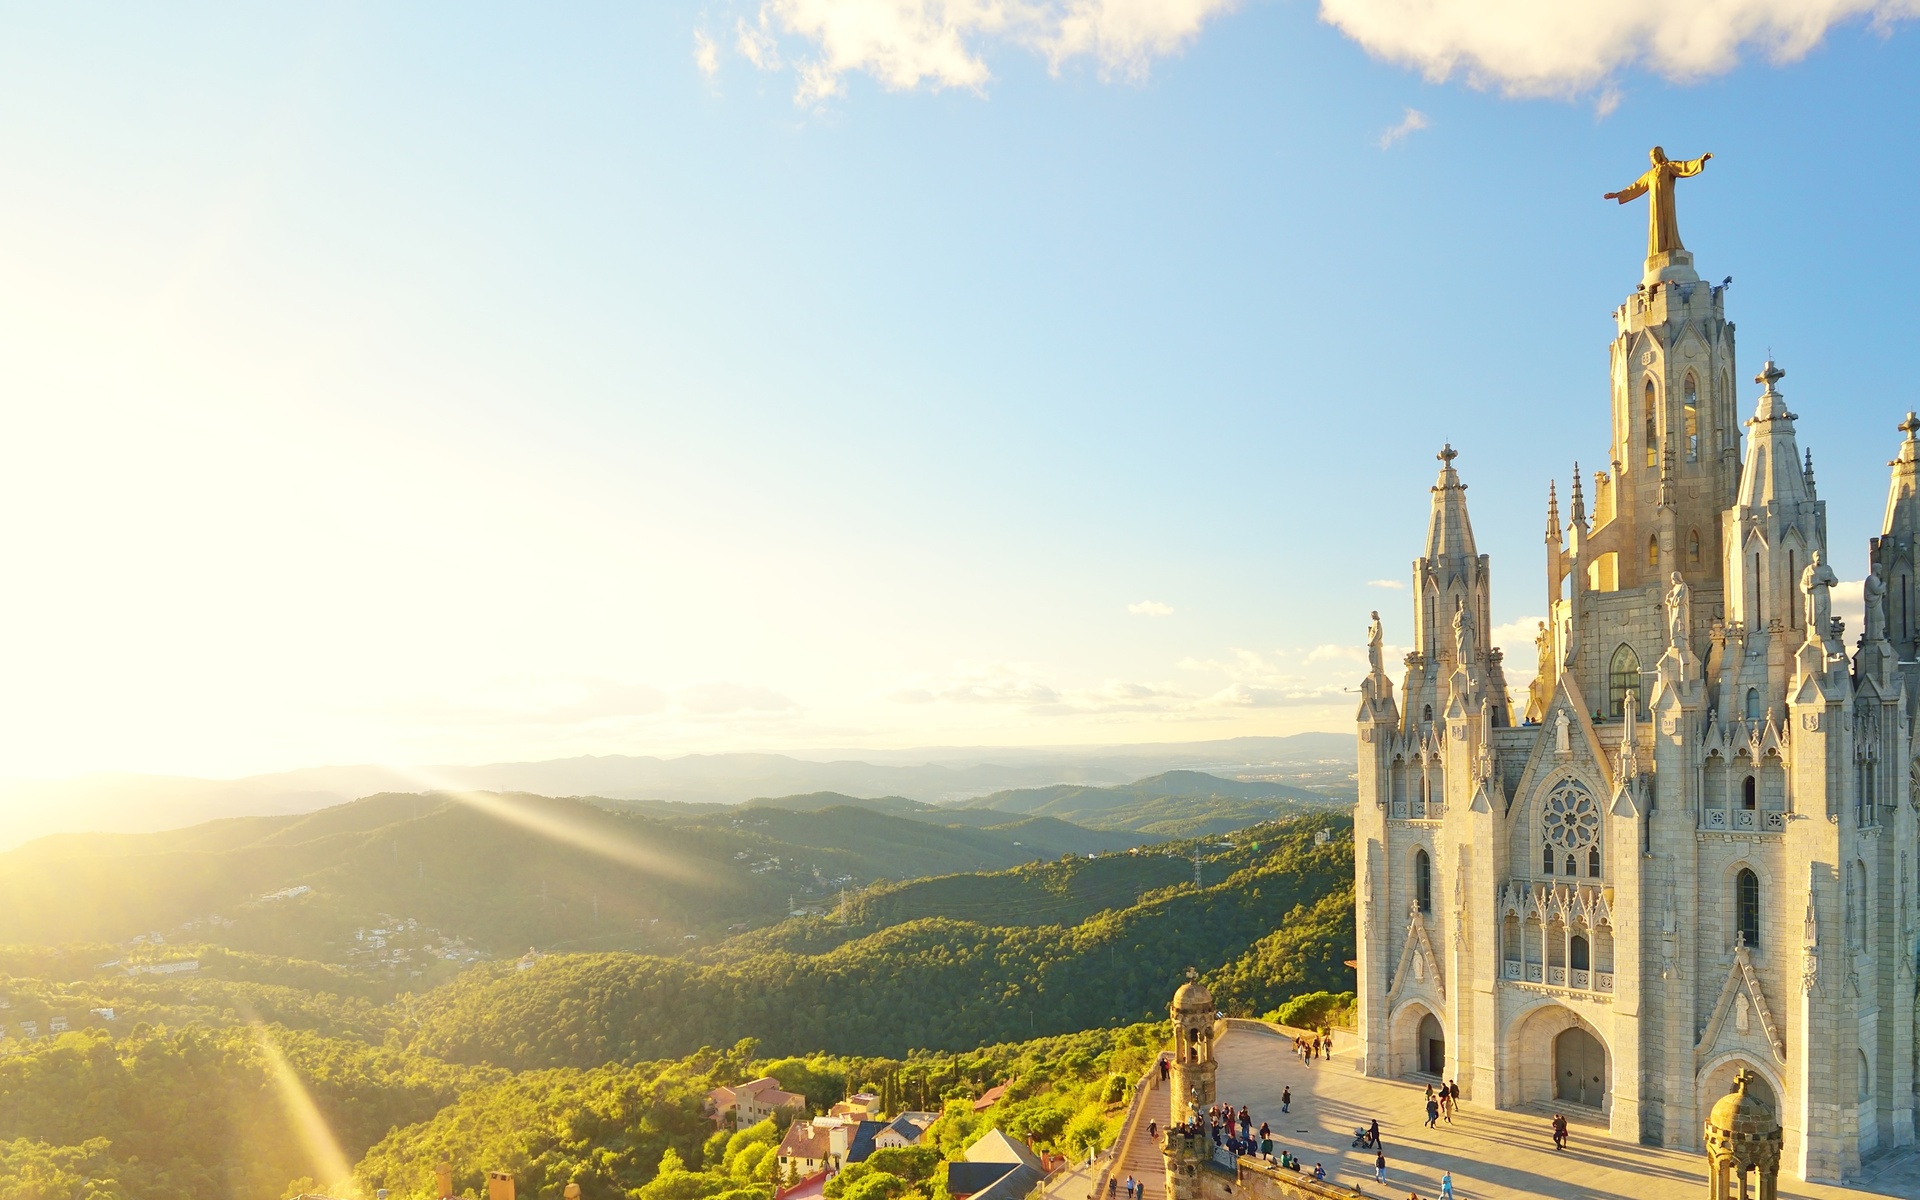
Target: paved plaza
[(1493, 1155)]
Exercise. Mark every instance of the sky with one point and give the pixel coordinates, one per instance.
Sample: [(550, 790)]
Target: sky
[(451, 383)]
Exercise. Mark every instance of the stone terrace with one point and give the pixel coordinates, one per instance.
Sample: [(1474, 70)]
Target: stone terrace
[(1493, 1155)]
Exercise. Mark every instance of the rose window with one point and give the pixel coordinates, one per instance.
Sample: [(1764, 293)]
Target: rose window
[(1571, 819)]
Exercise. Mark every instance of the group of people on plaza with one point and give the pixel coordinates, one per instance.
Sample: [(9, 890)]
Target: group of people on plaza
[(1313, 1045), (1559, 1128), (1441, 1103), (1232, 1128)]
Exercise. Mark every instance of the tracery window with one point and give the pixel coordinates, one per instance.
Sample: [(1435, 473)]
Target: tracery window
[(1570, 826), (1623, 678), (1746, 889), (1653, 426), (1690, 397)]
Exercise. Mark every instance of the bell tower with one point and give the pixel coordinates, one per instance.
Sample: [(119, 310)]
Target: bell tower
[(1193, 1079)]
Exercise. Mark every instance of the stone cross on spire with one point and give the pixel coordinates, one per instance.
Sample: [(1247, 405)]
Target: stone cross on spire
[(1447, 453), (1910, 426)]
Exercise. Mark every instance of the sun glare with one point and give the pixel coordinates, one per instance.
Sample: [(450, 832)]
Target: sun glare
[(330, 1163), (598, 837)]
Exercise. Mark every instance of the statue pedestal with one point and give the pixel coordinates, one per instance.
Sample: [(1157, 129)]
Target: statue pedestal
[(1671, 266)]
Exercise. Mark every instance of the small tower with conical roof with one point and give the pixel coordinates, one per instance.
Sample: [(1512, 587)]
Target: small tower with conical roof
[(1193, 1015), (1193, 1066), (1743, 1134)]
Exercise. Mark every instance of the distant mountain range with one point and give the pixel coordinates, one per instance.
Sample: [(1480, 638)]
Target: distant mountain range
[(936, 775), (1173, 804), (501, 872)]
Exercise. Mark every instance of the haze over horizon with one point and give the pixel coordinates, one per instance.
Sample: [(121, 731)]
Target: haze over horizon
[(412, 387)]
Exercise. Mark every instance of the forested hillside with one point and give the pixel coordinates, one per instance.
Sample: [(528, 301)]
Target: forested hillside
[(495, 873), (932, 982), (260, 1075), (1174, 804)]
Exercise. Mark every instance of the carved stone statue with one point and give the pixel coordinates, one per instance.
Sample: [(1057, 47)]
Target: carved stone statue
[(1815, 582), (1560, 745), (1462, 633), (1663, 228), (1679, 613), (1373, 645), (1540, 691), (1874, 593)]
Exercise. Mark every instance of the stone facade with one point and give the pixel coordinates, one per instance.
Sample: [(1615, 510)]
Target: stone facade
[(1692, 850)]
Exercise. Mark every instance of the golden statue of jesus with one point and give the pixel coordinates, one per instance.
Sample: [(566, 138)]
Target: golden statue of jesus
[(1663, 229)]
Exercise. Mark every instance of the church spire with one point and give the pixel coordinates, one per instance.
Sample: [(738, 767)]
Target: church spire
[(1773, 474), (1903, 497), (1553, 515), (1449, 533), (1579, 514)]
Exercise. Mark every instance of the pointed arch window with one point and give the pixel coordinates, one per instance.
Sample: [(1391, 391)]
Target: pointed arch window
[(1793, 580), (1753, 704), (1623, 680), (1693, 547), (1653, 554), (1652, 411), (1691, 398), (1749, 799), (1593, 863), (1746, 889), (1423, 881)]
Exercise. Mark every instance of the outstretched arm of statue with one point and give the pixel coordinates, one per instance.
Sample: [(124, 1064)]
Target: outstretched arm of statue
[(1690, 166), (1632, 191)]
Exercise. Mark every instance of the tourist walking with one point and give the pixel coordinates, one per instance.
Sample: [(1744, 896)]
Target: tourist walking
[(1446, 1185), (1380, 1166), (1433, 1111), (1286, 1099), (1163, 1068)]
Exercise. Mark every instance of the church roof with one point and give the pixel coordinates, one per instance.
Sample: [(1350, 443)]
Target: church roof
[(1903, 495), (1772, 474), (1449, 532)]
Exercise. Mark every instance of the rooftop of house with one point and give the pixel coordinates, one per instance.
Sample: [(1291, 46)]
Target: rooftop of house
[(805, 1140)]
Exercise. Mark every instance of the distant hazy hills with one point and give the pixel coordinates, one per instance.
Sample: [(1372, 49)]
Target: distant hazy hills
[(1173, 804), (502, 872), (142, 803)]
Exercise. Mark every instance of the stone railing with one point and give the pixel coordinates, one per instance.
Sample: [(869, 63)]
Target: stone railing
[(1136, 1118), (1572, 979), (1742, 820)]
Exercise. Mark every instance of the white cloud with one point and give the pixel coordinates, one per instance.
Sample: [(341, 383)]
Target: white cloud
[(1568, 47), (1561, 48), (1150, 608), (706, 55), (721, 699), (1850, 605), (757, 46), (907, 44), (1413, 122), (1013, 685), (1395, 584)]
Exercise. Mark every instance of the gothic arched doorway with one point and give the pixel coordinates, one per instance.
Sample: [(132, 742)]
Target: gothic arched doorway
[(1579, 1069), (1432, 1046)]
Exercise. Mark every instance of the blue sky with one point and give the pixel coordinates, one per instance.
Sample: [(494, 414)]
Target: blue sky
[(438, 384)]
